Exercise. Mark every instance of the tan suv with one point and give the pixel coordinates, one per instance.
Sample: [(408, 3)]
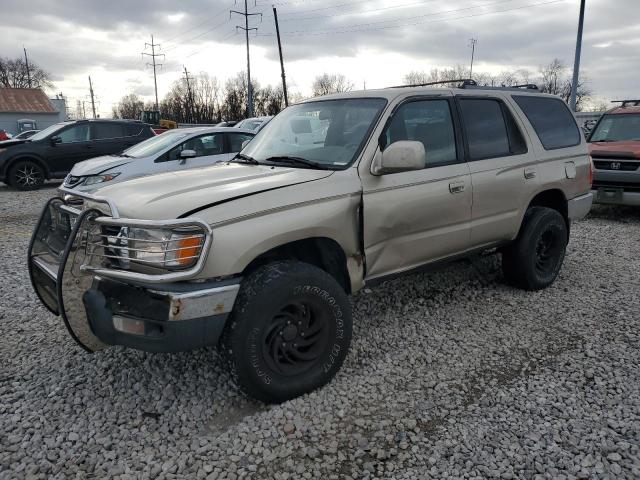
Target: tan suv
[(259, 254)]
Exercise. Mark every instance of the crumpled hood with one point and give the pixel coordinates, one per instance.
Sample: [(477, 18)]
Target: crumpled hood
[(629, 149), (98, 165), (176, 194)]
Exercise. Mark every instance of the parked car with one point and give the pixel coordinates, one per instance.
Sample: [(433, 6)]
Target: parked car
[(614, 145), (51, 153), (259, 254), (254, 123), (25, 134), (172, 151), (4, 135), (228, 123)]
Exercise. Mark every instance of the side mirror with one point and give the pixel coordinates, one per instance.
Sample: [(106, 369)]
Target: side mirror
[(55, 140), (401, 156), (184, 154), (244, 144)]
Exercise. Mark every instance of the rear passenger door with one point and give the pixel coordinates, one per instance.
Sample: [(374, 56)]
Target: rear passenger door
[(416, 217), (502, 167), (107, 138)]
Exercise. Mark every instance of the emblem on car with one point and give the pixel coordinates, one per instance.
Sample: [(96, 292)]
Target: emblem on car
[(615, 165)]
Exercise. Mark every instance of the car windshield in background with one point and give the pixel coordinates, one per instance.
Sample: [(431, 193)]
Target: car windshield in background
[(327, 133), (155, 145), (617, 128), (47, 131)]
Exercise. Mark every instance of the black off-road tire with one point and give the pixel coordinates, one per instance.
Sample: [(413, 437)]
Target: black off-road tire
[(26, 175), (289, 331), (534, 260)]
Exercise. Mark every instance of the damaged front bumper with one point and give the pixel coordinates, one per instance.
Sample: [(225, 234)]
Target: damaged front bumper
[(101, 305)]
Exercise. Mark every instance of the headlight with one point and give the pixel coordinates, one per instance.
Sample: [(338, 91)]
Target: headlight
[(107, 177), (160, 248)]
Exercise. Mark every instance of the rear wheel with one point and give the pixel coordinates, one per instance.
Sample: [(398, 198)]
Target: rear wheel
[(534, 260), (289, 332), (26, 175)]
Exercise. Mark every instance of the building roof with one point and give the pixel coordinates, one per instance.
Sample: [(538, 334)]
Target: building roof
[(25, 100)]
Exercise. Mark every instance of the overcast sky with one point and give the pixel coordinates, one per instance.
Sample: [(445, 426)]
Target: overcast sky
[(372, 41)]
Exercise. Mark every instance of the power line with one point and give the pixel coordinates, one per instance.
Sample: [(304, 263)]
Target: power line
[(358, 12), (153, 56), (365, 26), (246, 29)]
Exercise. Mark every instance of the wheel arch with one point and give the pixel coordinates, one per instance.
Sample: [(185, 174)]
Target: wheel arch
[(322, 252), (555, 199), (28, 157)]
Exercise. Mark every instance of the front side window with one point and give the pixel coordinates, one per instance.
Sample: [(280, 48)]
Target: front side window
[(77, 133), (325, 134), (551, 119), (42, 134), (236, 140), (211, 144), (617, 128), (429, 122), (485, 127), (155, 145), (104, 131)]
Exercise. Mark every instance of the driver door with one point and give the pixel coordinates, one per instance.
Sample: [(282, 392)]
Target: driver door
[(417, 217), (209, 149)]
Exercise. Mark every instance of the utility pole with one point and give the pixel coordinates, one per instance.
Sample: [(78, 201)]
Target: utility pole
[(246, 29), (153, 63), (93, 103), (26, 60), (472, 44), (284, 80), (576, 63), (189, 96)]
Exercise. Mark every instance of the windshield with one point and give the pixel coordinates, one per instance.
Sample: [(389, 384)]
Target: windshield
[(329, 133), (47, 131), (155, 145), (617, 128)]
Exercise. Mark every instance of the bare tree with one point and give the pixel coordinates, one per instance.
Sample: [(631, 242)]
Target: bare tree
[(331, 83), (130, 106), (13, 74)]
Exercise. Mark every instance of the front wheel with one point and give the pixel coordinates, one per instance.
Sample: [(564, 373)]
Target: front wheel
[(289, 332), (26, 175), (534, 260)]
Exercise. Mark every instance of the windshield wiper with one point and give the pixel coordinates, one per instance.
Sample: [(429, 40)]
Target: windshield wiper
[(296, 161), (242, 158)]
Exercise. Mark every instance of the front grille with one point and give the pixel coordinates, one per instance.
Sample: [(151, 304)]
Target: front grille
[(616, 165), (626, 186)]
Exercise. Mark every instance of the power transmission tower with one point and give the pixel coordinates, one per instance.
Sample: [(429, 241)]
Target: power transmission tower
[(153, 63), (246, 29), (26, 60), (472, 44), (93, 103), (284, 79), (189, 96), (576, 62)]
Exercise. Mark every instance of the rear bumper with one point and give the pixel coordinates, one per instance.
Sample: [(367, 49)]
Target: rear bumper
[(578, 207)]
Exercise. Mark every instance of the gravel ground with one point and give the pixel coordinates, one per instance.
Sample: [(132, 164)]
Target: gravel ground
[(450, 374)]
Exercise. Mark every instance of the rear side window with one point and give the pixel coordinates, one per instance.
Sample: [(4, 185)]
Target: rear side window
[(236, 140), (485, 127), (102, 131), (551, 119)]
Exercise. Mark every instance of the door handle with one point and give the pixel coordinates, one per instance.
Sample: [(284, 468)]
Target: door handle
[(456, 187), (530, 173)]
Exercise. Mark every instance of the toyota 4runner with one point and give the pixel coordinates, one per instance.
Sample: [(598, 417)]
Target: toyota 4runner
[(257, 255)]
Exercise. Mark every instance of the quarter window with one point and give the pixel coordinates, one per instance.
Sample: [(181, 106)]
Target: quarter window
[(551, 119), (429, 122)]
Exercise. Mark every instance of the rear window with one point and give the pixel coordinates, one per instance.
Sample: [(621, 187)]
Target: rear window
[(133, 130), (551, 119)]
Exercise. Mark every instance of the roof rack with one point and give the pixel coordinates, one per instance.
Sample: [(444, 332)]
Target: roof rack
[(627, 103), (461, 81), (471, 84)]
